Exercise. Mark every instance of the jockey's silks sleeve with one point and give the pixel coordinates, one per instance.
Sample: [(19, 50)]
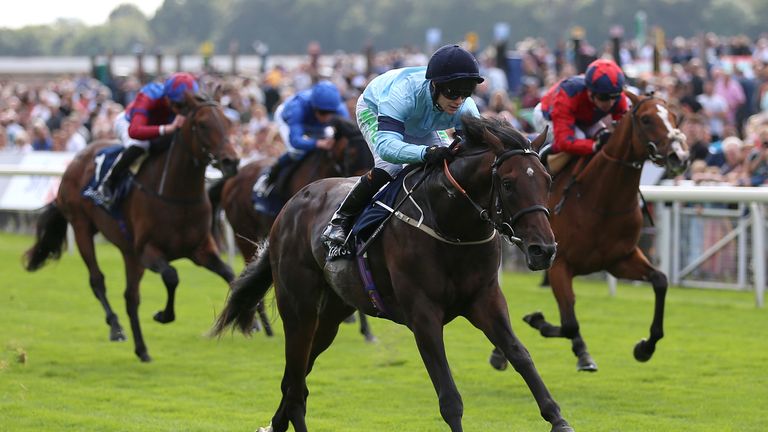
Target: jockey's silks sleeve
[(304, 128), (147, 112)]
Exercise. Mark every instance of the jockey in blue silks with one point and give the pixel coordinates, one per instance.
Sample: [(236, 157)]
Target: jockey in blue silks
[(302, 121), (403, 114)]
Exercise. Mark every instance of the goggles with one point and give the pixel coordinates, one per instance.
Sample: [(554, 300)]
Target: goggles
[(607, 96), (455, 93)]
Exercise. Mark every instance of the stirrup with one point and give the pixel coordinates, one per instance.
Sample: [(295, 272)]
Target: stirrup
[(335, 233), (263, 186)]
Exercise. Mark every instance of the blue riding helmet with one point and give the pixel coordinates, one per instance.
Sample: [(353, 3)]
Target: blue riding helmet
[(325, 97), (178, 84), (604, 77), (452, 62)]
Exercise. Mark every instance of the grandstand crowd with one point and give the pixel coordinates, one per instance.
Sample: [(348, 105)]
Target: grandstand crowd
[(719, 86)]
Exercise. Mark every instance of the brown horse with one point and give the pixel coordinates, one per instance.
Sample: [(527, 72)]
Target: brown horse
[(166, 214), (426, 277), (350, 156), (597, 220)]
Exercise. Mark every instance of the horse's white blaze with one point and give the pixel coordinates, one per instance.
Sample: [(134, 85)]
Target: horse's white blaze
[(674, 134), (529, 171)]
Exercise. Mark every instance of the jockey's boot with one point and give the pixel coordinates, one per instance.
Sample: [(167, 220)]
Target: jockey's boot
[(266, 180), (366, 187), (118, 171)]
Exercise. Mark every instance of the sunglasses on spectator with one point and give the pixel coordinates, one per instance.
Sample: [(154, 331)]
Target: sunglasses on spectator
[(607, 97), (453, 94)]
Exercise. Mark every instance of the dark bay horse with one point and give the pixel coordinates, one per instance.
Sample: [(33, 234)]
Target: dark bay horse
[(167, 215), (350, 156), (597, 220), (426, 277)]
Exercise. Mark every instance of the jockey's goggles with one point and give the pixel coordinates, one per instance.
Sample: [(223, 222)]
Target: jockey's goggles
[(324, 112), (607, 96), (453, 94)]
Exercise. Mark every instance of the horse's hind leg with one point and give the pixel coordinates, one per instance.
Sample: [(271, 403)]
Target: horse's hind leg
[(154, 260), (84, 233), (637, 267), (365, 328), (489, 314), (210, 259)]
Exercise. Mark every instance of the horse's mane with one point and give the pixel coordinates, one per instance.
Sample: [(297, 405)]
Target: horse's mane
[(475, 127)]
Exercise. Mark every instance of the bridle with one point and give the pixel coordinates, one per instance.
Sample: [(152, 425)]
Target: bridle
[(204, 146), (499, 218)]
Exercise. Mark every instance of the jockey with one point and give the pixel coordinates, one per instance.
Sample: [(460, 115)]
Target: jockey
[(402, 115), (575, 107), (302, 121), (156, 111)]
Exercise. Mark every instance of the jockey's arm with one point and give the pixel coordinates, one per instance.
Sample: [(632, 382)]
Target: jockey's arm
[(390, 145), (298, 138), (564, 127), (140, 129)]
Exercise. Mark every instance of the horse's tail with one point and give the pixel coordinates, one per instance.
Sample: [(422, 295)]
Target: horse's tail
[(214, 196), (247, 291), (51, 233)]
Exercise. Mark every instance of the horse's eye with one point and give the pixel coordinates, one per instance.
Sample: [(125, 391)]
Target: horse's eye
[(507, 185), (645, 120)]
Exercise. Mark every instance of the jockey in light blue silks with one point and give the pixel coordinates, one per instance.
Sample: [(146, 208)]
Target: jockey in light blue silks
[(302, 121), (403, 114)]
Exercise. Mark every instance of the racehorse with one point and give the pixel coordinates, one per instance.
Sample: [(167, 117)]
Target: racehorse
[(350, 156), (597, 220), (165, 216), (425, 277)]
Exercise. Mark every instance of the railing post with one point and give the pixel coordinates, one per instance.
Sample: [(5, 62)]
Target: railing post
[(758, 251)]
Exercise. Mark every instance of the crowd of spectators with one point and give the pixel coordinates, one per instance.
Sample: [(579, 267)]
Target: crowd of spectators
[(718, 86)]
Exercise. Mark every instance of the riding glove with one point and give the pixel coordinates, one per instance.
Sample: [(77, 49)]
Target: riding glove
[(436, 154), (601, 137)]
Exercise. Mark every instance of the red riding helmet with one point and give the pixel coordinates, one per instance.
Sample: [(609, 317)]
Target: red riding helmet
[(177, 84), (604, 77)]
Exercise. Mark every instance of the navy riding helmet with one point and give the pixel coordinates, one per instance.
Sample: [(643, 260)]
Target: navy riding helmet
[(452, 66)]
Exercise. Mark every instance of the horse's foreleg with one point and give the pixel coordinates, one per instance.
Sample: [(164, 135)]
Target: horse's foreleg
[(490, 315), (155, 260), (84, 239), (637, 267), (426, 322), (133, 272)]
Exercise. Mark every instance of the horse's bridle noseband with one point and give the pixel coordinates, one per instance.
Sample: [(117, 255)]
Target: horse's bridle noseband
[(208, 157), (497, 219)]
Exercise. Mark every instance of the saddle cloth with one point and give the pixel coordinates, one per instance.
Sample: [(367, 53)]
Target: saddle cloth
[(104, 160)]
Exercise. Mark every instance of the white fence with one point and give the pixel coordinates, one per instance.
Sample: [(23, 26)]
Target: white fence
[(669, 208)]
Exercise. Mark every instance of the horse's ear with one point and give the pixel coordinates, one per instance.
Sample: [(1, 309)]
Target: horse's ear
[(632, 97), (190, 99), (493, 141), (540, 140)]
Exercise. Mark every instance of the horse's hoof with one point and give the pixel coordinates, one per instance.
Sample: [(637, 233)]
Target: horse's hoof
[(117, 335), (562, 428), (164, 318), (586, 364), (534, 319), (371, 338), (644, 351), (498, 361), (268, 330), (265, 429), (256, 327), (144, 357), (350, 319)]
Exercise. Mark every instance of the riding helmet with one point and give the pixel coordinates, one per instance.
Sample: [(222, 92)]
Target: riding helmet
[(604, 77), (178, 84), (325, 97), (452, 62)]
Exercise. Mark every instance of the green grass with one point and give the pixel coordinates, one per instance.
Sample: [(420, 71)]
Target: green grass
[(708, 373)]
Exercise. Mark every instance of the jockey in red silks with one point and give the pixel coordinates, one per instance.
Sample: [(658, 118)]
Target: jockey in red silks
[(156, 111), (575, 107)]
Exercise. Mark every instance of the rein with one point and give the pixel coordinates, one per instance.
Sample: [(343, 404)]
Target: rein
[(497, 219)]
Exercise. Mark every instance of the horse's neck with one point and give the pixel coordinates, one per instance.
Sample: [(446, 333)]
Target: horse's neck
[(175, 174), (610, 174), (450, 211), (314, 166)]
